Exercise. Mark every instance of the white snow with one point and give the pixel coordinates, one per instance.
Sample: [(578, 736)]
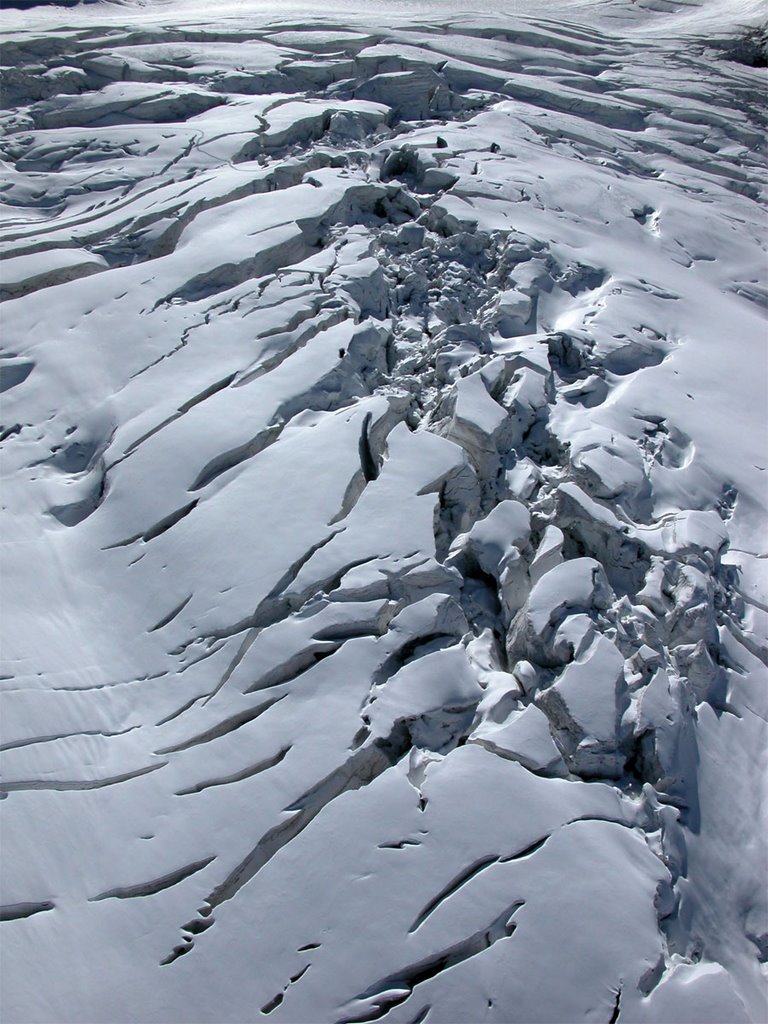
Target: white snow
[(384, 493)]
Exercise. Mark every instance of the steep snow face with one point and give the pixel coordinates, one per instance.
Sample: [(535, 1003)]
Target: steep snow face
[(384, 492)]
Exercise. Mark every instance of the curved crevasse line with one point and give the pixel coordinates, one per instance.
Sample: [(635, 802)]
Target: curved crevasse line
[(141, 889), (21, 911)]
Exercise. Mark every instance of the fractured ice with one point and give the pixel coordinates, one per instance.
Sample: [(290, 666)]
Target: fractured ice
[(383, 452)]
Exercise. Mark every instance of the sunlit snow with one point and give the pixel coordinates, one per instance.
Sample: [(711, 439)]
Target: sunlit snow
[(384, 494)]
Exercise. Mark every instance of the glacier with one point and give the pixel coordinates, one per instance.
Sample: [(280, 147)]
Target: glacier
[(384, 611)]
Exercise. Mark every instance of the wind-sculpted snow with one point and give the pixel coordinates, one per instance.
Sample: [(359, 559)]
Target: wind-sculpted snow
[(384, 494)]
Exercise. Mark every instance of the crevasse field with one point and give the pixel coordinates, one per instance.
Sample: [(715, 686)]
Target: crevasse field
[(384, 477)]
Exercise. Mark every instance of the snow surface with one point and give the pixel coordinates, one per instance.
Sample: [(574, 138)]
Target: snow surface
[(384, 488)]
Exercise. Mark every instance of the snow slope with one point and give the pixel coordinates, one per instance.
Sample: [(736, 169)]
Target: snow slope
[(384, 486)]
